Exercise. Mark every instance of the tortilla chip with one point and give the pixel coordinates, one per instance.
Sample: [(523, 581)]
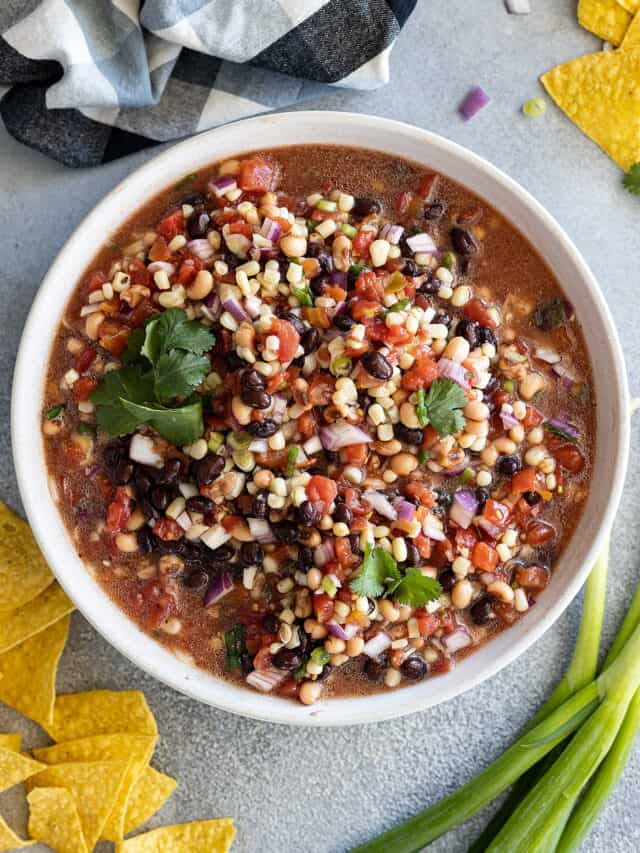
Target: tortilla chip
[(100, 712), (33, 617), (94, 785), (632, 6), (11, 741), (605, 18), (9, 840), (23, 571), (632, 36), (118, 747), (28, 673), (601, 94), (149, 793), (15, 767), (206, 836), (54, 820)]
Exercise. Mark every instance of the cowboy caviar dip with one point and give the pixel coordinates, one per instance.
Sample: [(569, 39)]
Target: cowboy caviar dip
[(320, 421)]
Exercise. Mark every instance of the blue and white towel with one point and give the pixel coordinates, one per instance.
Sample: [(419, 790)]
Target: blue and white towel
[(91, 80)]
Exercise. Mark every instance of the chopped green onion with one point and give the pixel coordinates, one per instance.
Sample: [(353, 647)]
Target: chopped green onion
[(239, 440), (423, 456), (349, 230), (303, 295), (329, 585), (400, 305), (54, 412), (448, 260), (508, 385), (186, 181), (292, 456), (325, 204), (244, 460), (216, 440), (320, 656), (466, 475), (86, 429), (534, 107), (341, 366), (356, 269), (421, 407), (234, 640), (556, 430)]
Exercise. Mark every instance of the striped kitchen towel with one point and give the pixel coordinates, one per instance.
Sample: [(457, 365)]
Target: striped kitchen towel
[(87, 81)]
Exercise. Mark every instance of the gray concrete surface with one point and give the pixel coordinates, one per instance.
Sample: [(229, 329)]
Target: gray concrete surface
[(322, 791)]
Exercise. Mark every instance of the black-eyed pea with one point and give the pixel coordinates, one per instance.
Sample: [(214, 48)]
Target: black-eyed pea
[(501, 590), (387, 448), (457, 349), (202, 285), (127, 543), (355, 647), (293, 247), (531, 385), (309, 692), (476, 410), (461, 594), (404, 464)]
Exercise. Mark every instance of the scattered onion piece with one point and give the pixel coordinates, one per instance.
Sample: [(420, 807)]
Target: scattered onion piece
[(476, 100)]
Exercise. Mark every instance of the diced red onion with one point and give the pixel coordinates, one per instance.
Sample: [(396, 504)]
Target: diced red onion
[(342, 434), (547, 355), (184, 520), (342, 632), (259, 445), (323, 553), (271, 230), (142, 450), (464, 507), (448, 369), (508, 420), (567, 376), (222, 185), (266, 679), (154, 266), (430, 529), (489, 528), (488, 577), (392, 233), (405, 510), (456, 640), (421, 243), (381, 504), (252, 306), (374, 647), (518, 7), (457, 469), (339, 278), (235, 309), (476, 100), (218, 588), (215, 536), (261, 531), (213, 303), (279, 407), (565, 426), (339, 308), (267, 253), (201, 248)]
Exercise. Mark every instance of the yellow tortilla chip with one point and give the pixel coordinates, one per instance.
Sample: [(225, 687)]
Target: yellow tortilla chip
[(149, 793), (632, 6), (94, 785), (54, 820), (11, 741), (15, 767), (205, 836), (28, 673), (23, 571), (16, 627), (117, 747), (601, 94), (9, 840), (632, 36), (605, 18), (98, 712)]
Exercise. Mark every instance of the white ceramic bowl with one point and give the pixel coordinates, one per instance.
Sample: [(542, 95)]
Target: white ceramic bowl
[(435, 153)]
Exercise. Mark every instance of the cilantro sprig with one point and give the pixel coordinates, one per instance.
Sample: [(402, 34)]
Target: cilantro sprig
[(631, 180), (442, 406), (379, 576), (164, 362), (235, 645)]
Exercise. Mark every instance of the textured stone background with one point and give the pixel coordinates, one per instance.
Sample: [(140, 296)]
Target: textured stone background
[(323, 791)]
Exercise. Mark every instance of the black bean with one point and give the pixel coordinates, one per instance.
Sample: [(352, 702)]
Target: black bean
[(364, 206), (491, 387), (287, 659), (482, 496), (375, 668), (410, 267), (170, 471), (342, 514), (198, 224), (146, 508), (199, 503), (310, 341), (408, 435), (354, 541), (377, 365), (255, 398), (262, 429), (196, 579), (322, 255), (233, 360), (532, 498), (123, 472), (269, 623), (222, 554), (161, 497), (470, 331), (317, 285), (305, 557), (343, 322), (170, 546), (259, 506), (463, 241), (482, 611), (443, 318), (434, 211), (252, 553), (208, 469), (430, 286), (327, 669), (246, 663), (295, 321), (444, 499), (414, 668), (145, 540), (251, 380), (308, 514), (508, 465), (413, 555), (194, 199), (447, 579), (486, 336), (285, 532)]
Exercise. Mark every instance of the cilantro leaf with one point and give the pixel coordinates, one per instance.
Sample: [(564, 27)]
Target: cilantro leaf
[(172, 330), (177, 373), (179, 426), (234, 640), (378, 568), (631, 180), (130, 382), (415, 589), (134, 345), (444, 404)]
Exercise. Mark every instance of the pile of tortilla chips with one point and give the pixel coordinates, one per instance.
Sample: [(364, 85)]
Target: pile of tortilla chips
[(95, 782), (600, 92)]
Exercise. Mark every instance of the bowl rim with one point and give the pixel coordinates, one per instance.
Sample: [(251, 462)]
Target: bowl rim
[(110, 621)]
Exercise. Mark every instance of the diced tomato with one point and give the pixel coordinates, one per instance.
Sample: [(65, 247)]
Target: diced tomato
[(538, 533), (323, 607), (466, 539), (321, 491), (156, 603), (421, 375), (524, 481), (171, 225), (318, 317), (533, 577), (230, 521), (442, 666), (263, 659), (352, 501), (139, 315), (477, 310), (256, 175), (344, 554), (321, 389), (288, 337), (402, 202), (533, 418), (427, 183), (167, 529), (270, 459), (113, 337), (368, 286), (431, 437), (189, 269), (337, 293), (118, 511), (366, 309), (83, 387), (428, 624), (496, 513), (423, 544), (398, 335), (85, 359), (361, 242), (138, 272), (94, 281), (159, 250), (243, 227), (422, 493), (354, 454), (569, 456), (307, 424), (484, 557), (103, 485)]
